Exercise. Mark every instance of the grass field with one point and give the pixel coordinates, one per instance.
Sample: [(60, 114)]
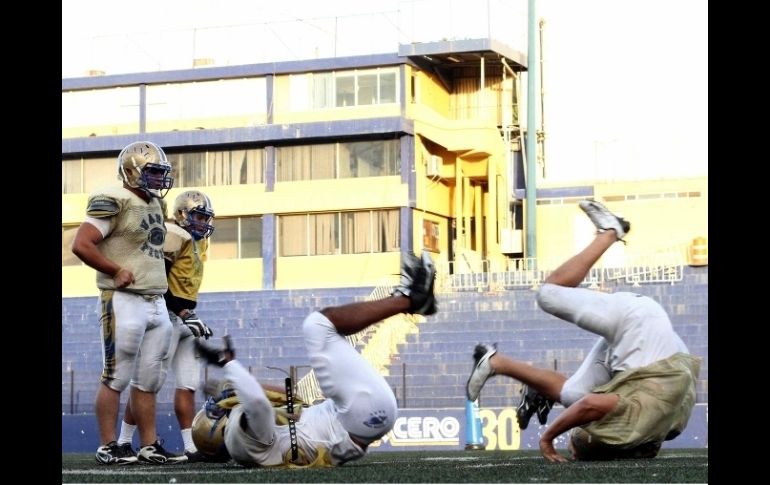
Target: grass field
[(671, 466)]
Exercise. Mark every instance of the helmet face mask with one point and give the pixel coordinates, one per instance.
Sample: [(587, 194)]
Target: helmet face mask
[(194, 213), (143, 165)]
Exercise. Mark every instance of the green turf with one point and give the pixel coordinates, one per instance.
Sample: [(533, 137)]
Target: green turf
[(671, 466)]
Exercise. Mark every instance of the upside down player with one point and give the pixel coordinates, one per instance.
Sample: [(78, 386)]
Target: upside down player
[(360, 406)]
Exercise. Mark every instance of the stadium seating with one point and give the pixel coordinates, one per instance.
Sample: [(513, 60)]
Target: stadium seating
[(266, 328)]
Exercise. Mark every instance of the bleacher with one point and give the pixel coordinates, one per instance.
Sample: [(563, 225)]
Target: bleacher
[(266, 328), (436, 362)]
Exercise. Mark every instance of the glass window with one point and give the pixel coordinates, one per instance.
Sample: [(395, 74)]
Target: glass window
[(345, 90), (292, 235), (369, 158), (71, 171), (387, 231), (356, 232), (251, 237), (99, 173), (339, 233), (234, 167), (298, 92), (430, 236), (224, 241), (223, 103), (98, 112), (188, 169), (367, 88), (323, 90), (67, 236), (324, 234), (387, 87), (305, 162)]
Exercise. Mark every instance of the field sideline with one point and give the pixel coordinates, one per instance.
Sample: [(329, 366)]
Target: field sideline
[(671, 466)]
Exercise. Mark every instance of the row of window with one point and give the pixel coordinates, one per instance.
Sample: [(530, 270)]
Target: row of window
[(222, 103), (342, 89), (235, 167), (373, 231)]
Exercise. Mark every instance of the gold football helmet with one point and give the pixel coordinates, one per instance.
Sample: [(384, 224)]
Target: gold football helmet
[(208, 434), (143, 165), (194, 213)]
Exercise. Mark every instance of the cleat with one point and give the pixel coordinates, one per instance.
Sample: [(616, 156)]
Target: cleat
[(156, 454), (418, 276), (482, 370), (192, 457), (532, 402), (604, 220), (126, 455), (107, 454)]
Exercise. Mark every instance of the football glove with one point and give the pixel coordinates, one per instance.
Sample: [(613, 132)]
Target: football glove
[(196, 326)]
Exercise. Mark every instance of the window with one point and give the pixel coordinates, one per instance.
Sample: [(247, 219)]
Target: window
[(305, 162), (67, 236), (323, 90), (99, 172), (99, 112), (339, 160), (345, 89), (430, 236), (367, 88), (235, 167), (353, 232), (251, 237), (222, 103), (86, 175), (196, 169), (71, 171), (236, 238)]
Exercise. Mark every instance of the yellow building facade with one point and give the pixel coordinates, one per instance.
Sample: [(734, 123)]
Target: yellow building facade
[(323, 172)]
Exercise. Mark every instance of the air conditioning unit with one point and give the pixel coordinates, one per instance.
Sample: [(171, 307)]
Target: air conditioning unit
[(433, 168), (511, 241)]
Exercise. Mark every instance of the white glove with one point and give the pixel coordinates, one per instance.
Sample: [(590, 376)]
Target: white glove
[(196, 326)]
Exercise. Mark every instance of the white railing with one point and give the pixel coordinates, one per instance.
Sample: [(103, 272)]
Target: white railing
[(662, 266)]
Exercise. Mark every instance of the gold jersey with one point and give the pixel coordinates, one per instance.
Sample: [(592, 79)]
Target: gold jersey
[(187, 256)]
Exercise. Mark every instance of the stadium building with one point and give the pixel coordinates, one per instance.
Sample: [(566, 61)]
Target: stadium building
[(323, 172)]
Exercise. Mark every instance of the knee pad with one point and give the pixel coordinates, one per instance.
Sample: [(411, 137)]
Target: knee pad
[(570, 395), (370, 416), (116, 384)]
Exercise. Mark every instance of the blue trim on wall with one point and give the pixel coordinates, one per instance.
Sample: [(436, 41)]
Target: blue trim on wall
[(230, 72), (558, 192), (406, 224), (269, 86), (292, 133), (269, 168), (402, 87), (142, 108), (268, 251)]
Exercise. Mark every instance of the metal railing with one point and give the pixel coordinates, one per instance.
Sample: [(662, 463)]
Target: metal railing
[(662, 266)]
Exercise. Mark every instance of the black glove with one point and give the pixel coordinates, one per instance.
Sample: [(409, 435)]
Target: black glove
[(196, 326), (218, 356)]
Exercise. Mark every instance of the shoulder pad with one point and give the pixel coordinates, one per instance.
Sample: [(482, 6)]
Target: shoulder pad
[(102, 206), (175, 238)]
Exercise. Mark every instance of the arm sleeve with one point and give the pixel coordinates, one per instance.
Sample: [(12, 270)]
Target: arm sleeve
[(176, 304), (103, 225)]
